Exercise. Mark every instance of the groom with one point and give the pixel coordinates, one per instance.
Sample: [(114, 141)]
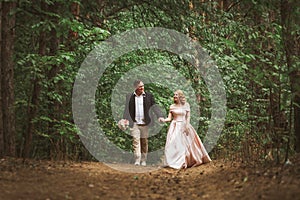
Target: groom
[(137, 109)]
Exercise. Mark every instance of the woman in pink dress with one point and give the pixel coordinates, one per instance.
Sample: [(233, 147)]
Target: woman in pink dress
[(183, 147)]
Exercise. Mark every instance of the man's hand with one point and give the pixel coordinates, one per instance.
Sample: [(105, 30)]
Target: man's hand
[(123, 124)]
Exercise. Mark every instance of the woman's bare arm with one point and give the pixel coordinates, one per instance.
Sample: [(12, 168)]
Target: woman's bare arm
[(169, 118), (188, 116)]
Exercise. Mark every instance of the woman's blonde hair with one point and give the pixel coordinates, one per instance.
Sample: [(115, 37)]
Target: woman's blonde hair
[(181, 96)]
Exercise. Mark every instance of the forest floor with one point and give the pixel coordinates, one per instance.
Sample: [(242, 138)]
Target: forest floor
[(48, 180)]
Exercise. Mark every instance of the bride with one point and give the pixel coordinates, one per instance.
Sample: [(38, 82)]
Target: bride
[(183, 146)]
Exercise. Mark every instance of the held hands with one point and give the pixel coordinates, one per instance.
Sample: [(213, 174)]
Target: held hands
[(161, 119), (164, 120)]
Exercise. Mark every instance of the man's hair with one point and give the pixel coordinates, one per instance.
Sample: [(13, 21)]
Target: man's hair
[(136, 82)]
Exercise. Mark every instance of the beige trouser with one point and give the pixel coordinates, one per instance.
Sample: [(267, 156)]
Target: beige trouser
[(140, 142)]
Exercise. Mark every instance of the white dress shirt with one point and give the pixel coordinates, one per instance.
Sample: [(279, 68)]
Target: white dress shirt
[(139, 108)]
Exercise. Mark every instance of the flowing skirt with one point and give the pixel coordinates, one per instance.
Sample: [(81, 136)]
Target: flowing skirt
[(183, 147)]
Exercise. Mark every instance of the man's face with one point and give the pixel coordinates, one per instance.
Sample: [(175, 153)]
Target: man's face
[(139, 88)]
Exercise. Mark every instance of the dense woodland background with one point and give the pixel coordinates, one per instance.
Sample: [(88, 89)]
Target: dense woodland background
[(256, 45)]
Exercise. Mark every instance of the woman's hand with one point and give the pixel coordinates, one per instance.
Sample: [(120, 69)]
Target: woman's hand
[(186, 129), (161, 119)]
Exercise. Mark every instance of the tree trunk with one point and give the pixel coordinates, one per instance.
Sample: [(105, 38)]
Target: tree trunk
[(7, 79), (1, 118), (223, 4), (34, 102), (291, 46), (73, 35), (295, 79), (53, 105)]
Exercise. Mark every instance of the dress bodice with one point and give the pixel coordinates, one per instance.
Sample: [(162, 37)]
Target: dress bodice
[(179, 113)]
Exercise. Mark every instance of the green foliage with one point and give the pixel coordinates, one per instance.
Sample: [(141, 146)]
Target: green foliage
[(245, 41)]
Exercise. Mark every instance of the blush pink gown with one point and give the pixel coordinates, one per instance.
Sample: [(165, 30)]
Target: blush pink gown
[(183, 147)]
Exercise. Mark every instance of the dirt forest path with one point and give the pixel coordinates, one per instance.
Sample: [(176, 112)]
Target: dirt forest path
[(46, 180)]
